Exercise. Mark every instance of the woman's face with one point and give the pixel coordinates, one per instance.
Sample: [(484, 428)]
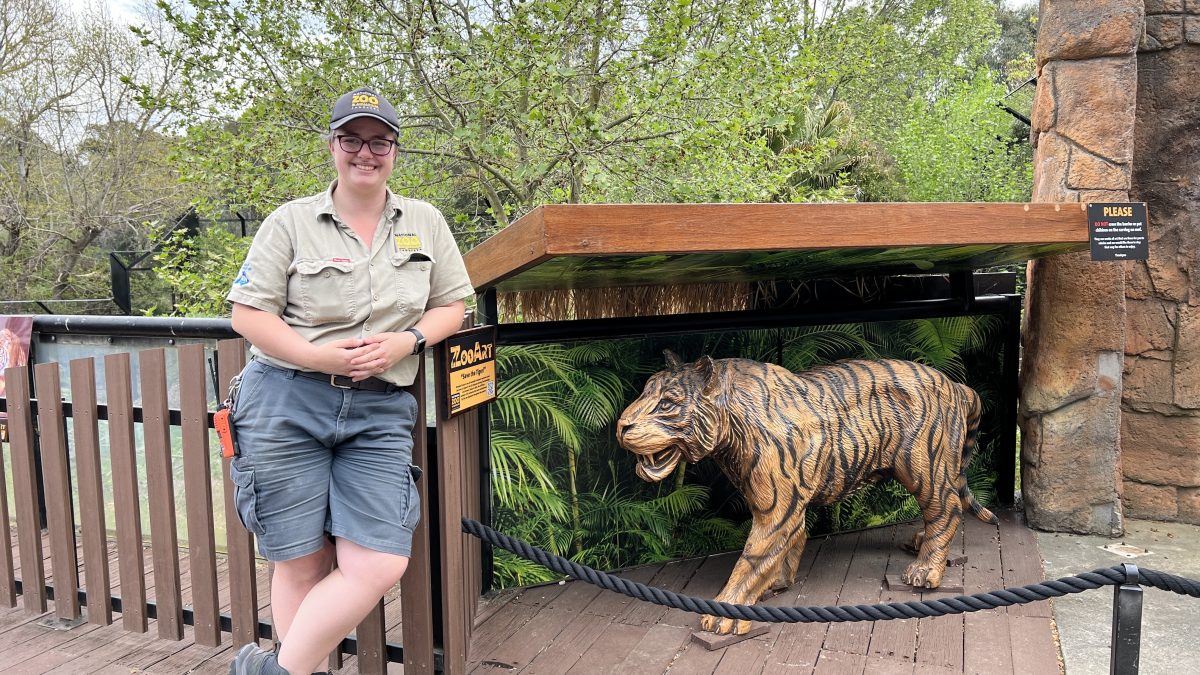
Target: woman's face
[(362, 170)]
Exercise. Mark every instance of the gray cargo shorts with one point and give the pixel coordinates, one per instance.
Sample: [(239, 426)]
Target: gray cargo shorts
[(317, 460)]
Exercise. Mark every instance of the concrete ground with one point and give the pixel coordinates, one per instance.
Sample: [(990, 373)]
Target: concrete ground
[(1170, 622)]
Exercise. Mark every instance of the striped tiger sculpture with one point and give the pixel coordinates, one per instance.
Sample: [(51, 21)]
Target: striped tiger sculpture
[(789, 440)]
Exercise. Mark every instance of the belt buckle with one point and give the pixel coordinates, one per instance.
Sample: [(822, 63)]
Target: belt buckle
[(333, 383)]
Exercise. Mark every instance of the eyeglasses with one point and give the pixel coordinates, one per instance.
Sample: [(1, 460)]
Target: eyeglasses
[(377, 146)]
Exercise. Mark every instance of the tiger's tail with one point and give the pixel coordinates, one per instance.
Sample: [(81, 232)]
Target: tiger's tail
[(981, 512)]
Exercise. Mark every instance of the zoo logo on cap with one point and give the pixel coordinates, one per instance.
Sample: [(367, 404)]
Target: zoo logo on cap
[(365, 100)]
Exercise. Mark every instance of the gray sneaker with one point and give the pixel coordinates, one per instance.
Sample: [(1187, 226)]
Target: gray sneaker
[(253, 660)]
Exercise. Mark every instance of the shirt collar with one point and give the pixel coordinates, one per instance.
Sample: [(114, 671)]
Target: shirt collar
[(392, 210)]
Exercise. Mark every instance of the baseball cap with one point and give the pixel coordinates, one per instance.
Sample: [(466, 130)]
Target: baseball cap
[(363, 102)]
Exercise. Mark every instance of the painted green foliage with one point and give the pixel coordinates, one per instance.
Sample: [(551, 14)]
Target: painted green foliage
[(561, 482)]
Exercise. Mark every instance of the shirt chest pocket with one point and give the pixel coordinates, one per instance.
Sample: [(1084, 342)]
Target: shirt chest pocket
[(411, 274), (325, 289)]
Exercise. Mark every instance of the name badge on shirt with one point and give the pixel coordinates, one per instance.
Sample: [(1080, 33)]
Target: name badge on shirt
[(407, 242)]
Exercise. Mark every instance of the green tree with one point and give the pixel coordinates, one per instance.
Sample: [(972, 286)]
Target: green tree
[(83, 166), (959, 147)]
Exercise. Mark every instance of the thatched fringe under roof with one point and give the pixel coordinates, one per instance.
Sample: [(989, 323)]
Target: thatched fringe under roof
[(626, 301)]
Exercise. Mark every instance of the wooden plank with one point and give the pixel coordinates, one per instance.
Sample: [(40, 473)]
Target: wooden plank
[(599, 229), (896, 640), (125, 492), (747, 656), (372, 642), (517, 247), (712, 641), (197, 479), (673, 576), (243, 581), (56, 483), (596, 230), (1022, 562), (607, 653), (452, 458), (160, 488), (864, 584), (1033, 648), (473, 509), (693, 657), (92, 524), (578, 634), (8, 583), (416, 586), (615, 604), (29, 527), (983, 631), (940, 639), (839, 663), (541, 595), (508, 631), (707, 582), (799, 644), (653, 654)]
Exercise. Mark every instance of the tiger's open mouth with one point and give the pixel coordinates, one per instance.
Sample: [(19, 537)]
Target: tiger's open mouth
[(657, 466)]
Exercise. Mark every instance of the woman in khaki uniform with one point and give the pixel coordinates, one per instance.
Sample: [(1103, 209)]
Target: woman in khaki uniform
[(339, 295)]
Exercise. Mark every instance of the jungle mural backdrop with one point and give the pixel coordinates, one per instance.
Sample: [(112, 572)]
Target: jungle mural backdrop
[(561, 482)]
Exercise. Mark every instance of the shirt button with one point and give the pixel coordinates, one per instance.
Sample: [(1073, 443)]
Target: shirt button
[(327, 275), (376, 298), (367, 327)]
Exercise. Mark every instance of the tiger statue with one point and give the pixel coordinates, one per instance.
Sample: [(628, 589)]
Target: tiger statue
[(788, 440)]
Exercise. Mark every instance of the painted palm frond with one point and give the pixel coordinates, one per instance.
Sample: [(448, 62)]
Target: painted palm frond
[(519, 479), (940, 342), (526, 400), (510, 570), (599, 396), (812, 345), (545, 358), (682, 501)]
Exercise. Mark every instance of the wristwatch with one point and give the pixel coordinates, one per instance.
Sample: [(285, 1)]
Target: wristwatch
[(420, 345)]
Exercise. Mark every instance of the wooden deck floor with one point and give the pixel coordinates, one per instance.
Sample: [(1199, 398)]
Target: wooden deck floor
[(578, 628)]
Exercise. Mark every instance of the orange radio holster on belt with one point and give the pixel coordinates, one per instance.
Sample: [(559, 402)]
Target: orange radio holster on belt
[(223, 421)]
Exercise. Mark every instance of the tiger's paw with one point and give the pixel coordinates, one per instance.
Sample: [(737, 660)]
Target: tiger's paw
[(923, 575), (714, 624)]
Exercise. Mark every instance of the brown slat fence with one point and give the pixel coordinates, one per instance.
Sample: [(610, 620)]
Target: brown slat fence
[(37, 427)]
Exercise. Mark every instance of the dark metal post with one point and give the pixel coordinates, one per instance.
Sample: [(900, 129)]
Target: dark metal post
[(962, 288), (1126, 625), (489, 313), (1007, 451)]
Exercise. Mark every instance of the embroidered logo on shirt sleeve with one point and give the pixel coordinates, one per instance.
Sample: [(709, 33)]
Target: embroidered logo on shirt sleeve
[(243, 276)]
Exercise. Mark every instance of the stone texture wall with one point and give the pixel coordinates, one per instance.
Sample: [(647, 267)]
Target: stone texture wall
[(1075, 335), (1160, 436)]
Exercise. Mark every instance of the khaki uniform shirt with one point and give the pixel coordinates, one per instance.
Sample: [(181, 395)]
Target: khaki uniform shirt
[(309, 268)]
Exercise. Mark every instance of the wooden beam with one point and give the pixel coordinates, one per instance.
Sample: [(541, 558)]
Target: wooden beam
[(598, 230)]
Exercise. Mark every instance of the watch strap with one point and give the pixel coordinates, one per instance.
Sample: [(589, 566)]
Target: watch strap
[(419, 346)]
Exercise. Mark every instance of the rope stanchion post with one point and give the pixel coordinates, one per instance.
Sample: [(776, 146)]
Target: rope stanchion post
[(1126, 624)]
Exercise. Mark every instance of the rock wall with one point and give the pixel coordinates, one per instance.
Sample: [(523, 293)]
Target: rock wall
[(1075, 333), (1160, 436)]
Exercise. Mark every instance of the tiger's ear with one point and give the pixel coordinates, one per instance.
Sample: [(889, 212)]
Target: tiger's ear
[(708, 368), (673, 361)]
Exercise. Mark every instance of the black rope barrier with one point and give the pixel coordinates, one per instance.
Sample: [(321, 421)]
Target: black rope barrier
[(1019, 595)]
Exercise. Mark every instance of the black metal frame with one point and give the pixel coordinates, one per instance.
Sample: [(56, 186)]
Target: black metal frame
[(953, 295)]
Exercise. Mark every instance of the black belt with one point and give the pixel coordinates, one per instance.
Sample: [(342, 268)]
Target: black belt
[(343, 382)]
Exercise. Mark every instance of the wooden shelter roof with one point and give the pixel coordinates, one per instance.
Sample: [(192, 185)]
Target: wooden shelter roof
[(572, 246)]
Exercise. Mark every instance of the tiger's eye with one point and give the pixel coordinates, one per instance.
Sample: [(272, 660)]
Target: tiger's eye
[(665, 405)]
